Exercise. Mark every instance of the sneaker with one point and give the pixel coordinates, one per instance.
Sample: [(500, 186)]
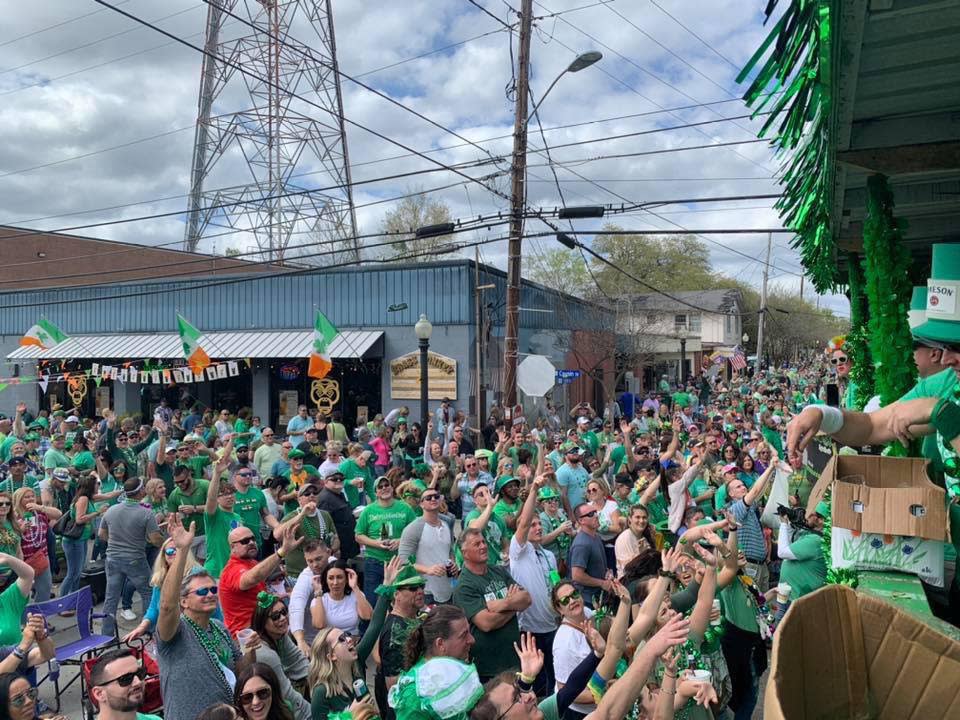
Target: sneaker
[(128, 615)]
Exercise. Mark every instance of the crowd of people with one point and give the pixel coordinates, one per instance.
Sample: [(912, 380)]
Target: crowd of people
[(590, 564)]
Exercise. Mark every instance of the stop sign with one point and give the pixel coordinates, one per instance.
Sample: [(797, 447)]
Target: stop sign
[(536, 375)]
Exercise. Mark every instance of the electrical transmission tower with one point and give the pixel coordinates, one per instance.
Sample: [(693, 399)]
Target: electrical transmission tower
[(279, 145)]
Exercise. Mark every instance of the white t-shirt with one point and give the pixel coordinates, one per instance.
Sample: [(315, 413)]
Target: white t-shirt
[(570, 647), (530, 566), (605, 514), (342, 614), (626, 548)]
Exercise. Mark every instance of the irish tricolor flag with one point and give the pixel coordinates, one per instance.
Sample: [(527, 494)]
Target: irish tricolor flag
[(44, 335), (196, 356), (323, 334)]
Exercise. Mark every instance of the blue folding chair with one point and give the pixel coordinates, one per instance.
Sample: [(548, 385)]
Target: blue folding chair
[(73, 653)]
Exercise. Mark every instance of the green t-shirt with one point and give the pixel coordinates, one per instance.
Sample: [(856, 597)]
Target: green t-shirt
[(590, 439), (502, 509), (88, 526), (739, 607), (145, 716), (494, 533), (198, 497), (197, 464), (375, 518), (108, 485), (514, 452), (11, 486), (53, 458), (218, 527), (350, 471), (12, 604), (618, 458), (489, 650), (808, 572), (320, 526), (84, 461), (250, 506)]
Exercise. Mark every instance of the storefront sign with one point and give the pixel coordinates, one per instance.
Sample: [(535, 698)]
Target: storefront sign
[(289, 371), (289, 401), (325, 394), (405, 377)]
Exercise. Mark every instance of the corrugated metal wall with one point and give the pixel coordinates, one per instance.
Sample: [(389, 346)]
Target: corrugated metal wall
[(350, 298)]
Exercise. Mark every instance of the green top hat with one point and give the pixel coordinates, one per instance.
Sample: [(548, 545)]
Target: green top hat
[(943, 288), (548, 493), (408, 577), (917, 314), (505, 480), (822, 509), (295, 454)]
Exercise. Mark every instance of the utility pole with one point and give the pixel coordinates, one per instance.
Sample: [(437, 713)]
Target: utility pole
[(481, 399), (763, 304), (511, 340)]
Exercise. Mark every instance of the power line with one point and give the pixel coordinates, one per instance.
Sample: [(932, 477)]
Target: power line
[(716, 52), (55, 26), (431, 52), (482, 9), (663, 151)]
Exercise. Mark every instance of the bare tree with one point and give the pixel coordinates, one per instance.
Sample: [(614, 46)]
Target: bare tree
[(411, 213)]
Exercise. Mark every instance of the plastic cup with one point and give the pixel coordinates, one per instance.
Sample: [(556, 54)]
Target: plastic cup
[(783, 592), (243, 637), (700, 676), (716, 610)]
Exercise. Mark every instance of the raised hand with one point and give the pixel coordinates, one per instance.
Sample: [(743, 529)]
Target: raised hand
[(290, 540), (531, 658), (670, 559), (352, 578), (182, 537), (391, 570), (674, 632), (597, 643)]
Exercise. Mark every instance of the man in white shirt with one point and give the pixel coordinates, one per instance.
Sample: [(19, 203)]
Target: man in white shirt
[(317, 555), (428, 541), (535, 569)]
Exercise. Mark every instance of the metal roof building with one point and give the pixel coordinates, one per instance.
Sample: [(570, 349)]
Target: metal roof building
[(267, 320)]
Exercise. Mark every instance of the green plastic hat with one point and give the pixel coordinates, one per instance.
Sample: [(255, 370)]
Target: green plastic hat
[(419, 485), (408, 577), (294, 454), (917, 314), (505, 480), (483, 453), (548, 493), (943, 305), (822, 509)]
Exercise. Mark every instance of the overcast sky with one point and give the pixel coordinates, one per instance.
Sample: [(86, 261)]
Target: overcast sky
[(99, 112)]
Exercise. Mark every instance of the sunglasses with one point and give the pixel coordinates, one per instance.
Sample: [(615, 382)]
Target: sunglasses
[(592, 513), (4, 503), (309, 493), (204, 591), (431, 496), (567, 599), (170, 551), (23, 698), (277, 614), (243, 541), (344, 638), (838, 360), (262, 695), (126, 680)]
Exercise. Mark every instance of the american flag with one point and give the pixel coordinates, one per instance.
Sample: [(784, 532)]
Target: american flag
[(738, 361)]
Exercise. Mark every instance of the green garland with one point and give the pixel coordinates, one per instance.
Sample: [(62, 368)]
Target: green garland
[(858, 345), (835, 576), (885, 265), (797, 78)]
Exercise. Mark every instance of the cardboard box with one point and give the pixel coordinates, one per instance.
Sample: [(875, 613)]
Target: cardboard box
[(839, 655), (887, 515)]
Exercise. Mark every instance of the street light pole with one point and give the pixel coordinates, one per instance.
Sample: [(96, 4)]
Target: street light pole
[(423, 329), (683, 359)]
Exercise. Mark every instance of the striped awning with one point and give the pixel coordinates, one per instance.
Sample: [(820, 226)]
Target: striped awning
[(357, 344)]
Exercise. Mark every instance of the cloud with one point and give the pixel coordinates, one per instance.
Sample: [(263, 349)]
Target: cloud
[(140, 85)]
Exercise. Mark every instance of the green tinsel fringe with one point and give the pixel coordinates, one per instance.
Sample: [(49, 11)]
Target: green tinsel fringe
[(835, 576), (885, 265), (796, 80), (858, 345)]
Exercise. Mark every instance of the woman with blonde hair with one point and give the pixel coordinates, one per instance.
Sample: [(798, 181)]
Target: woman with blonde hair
[(34, 520), (336, 661), (166, 556), (10, 533)]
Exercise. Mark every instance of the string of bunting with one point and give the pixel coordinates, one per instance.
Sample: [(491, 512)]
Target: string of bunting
[(149, 373)]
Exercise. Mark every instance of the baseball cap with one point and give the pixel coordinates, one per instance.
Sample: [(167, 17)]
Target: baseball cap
[(729, 467), (61, 474), (306, 486), (73, 419), (295, 454), (171, 446), (583, 420)]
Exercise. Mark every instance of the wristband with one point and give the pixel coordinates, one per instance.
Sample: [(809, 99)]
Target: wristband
[(18, 653), (832, 419), (946, 419), (524, 685), (667, 574)]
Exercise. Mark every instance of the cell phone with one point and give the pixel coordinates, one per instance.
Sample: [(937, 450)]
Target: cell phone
[(833, 395)]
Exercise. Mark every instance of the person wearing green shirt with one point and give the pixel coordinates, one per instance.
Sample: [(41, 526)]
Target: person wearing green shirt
[(495, 531), (118, 442), (378, 529), (17, 477), (189, 498), (491, 599), (85, 459), (55, 457), (508, 502), (357, 476), (586, 437), (251, 503), (801, 550), (220, 519)]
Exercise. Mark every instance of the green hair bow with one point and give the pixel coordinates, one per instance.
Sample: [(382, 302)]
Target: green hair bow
[(266, 600)]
